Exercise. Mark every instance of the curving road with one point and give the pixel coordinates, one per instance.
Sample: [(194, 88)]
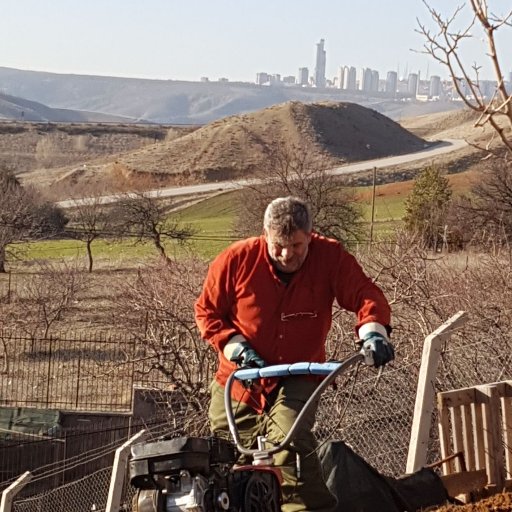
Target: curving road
[(438, 148)]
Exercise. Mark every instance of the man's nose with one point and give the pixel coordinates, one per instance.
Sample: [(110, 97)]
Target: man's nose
[(286, 254)]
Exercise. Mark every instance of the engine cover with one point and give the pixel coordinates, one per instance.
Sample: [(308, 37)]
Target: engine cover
[(198, 475)]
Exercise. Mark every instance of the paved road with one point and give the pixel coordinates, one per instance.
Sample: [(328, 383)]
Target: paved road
[(440, 148)]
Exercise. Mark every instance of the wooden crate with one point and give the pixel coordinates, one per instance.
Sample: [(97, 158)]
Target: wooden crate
[(477, 421)]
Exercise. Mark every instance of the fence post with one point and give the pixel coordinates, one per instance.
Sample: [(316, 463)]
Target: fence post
[(13, 489), (118, 474), (9, 282), (424, 406)]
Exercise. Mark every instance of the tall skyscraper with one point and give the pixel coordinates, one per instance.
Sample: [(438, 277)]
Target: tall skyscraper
[(374, 85), (303, 76), (434, 86), (320, 64), (391, 83), (340, 77), (349, 78), (412, 84), (364, 79)]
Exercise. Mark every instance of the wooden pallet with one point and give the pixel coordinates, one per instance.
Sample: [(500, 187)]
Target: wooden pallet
[(477, 422)]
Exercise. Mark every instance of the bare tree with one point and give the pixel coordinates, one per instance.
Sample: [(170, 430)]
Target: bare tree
[(446, 46), (484, 216), (90, 220), (157, 309), (24, 215), (46, 296), (148, 218), (297, 171)]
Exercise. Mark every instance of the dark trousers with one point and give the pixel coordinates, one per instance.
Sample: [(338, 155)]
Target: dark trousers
[(308, 492)]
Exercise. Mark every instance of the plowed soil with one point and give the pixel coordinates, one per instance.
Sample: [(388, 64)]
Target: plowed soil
[(497, 503)]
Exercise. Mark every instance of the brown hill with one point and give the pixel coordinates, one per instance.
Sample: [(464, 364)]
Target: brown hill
[(236, 146)]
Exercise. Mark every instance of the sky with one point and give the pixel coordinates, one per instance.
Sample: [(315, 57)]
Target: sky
[(235, 39)]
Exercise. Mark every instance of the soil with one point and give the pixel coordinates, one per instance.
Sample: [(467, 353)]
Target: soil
[(497, 503)]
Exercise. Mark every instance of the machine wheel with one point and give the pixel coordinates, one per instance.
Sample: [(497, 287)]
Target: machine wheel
[(262, 493)]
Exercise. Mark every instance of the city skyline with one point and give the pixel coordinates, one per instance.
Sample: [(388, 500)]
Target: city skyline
[(170, 39)]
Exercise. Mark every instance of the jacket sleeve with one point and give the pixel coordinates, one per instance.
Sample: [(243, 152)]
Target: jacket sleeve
[(213, 307), (356, 292)]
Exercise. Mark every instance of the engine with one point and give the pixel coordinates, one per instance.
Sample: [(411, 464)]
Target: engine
[(199, 475)]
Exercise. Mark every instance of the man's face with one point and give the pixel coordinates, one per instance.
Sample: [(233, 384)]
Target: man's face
[(288, 254)]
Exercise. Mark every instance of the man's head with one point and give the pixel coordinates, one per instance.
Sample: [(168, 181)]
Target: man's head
[(288, 225)]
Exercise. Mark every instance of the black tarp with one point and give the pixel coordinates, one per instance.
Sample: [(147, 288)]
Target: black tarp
[(361, 488)]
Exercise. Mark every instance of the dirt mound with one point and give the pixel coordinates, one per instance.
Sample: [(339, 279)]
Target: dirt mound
[(236, 146)]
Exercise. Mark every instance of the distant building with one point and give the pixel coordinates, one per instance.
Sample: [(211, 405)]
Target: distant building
[(303, 76), (275, 79), (391, 83), (223, 79), (374, 81), (205, 79), (262, 78), (349, 78), (320, 64), (434, 90), (412, 84), (288, 80), (364, 79), (339, 77)]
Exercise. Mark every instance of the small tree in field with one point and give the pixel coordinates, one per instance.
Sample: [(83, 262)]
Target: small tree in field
[(90, 220), (24, 215), (485, 215), (147, 218), (426, 207)]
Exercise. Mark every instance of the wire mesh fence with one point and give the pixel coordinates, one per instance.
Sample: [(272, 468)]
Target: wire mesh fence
[(371, 412), (74, 371), (86, 494)]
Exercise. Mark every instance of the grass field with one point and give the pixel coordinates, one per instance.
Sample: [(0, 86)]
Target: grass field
[(213, 219)]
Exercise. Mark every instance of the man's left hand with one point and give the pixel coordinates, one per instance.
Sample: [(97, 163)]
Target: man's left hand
[(377, 349)]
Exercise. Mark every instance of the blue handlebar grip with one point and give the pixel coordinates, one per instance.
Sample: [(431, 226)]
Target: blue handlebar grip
[(284, 370)]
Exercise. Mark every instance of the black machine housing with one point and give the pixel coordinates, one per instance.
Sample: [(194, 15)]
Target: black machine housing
[(199, 475)]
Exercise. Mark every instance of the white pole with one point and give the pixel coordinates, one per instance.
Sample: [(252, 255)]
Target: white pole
[(424, 405), (13, 489), (118, 473)]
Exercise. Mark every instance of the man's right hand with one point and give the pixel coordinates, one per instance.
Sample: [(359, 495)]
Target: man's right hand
[(240, 352)]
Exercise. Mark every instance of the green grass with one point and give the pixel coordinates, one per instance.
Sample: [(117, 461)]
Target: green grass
[(213, 219)]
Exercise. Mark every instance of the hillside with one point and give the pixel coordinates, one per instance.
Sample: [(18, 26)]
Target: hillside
[(237, 146), (21, 109), (180, 102), (28, 146)]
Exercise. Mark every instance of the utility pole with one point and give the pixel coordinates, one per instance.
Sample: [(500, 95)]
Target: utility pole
[(373, 205)]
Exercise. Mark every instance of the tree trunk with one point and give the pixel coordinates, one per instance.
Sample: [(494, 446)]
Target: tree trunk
[(89, 254), (2, 259)]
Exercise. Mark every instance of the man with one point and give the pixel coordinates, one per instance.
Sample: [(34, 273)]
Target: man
[(268, 300)]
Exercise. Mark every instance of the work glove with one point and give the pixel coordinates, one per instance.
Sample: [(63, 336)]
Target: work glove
[(239, 350), (376, 347)]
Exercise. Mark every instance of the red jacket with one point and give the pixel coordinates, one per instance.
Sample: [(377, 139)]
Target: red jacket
[(283, 323)]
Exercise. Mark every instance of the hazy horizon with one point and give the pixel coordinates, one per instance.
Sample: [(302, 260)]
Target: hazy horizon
[(171, 40)]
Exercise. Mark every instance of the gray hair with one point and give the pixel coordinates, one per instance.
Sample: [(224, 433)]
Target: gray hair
[(285, 215)]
